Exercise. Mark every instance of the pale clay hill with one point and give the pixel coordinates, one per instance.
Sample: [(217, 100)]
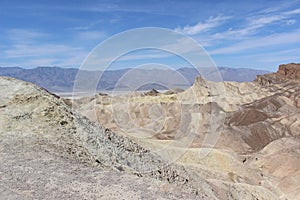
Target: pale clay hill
[(49, 151), (151, 145), (257, 126)]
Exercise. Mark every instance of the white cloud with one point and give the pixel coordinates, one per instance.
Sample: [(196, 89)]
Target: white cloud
[(252, 27), (292, 12), (248, 31), (23, 50), (32, 55), (275, 56), (212, 22), (258, 22), (24, 36), (275, 39), (144, 55), (73, 59), (182, 46), (31, 48), (87, 26), (90, 35), (39, 62), (263, 20)]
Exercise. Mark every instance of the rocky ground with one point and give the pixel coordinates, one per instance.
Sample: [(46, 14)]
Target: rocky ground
[(212, 141), (48, 151), (255, 123)]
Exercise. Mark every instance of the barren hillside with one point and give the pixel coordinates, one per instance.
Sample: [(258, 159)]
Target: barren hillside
[(242, 121), (49, 151)]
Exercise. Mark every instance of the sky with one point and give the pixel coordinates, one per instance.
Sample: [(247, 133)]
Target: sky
[(258, 34)]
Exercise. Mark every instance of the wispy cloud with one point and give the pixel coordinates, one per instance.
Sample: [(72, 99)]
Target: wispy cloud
[(200, 27), (292, 12), (275, 39), (273, 57), (22, 50), (86, 26), (60, 33), (252, 30), (263, 20), (27, 47), (144, 55), (44, 54), (21, 36), (251, 26), (255, 23), (90, 35)]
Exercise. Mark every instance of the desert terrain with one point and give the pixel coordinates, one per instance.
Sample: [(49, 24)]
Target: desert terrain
[(214, 140)]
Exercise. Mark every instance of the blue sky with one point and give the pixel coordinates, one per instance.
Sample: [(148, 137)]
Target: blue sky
[(257, 34)]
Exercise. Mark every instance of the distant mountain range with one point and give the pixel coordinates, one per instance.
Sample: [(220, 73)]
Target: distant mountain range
[(56, 79)]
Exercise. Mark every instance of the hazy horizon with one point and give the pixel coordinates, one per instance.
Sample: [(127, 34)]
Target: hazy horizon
[(128, 68)]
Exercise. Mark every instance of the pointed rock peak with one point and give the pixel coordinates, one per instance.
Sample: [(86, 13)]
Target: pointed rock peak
[(200, 81)]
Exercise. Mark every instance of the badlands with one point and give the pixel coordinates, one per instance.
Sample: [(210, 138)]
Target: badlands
[(214, 140)]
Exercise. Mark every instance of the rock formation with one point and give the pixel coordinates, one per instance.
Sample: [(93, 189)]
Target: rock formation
[(252, 122), (49, 151), (150, 146), (286, 72)]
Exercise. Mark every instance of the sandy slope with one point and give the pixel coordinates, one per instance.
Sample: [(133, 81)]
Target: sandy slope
[(49, 151), (254, 128)]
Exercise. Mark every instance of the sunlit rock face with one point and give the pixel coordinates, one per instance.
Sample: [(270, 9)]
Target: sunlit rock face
[(151, 144), (248, 119)]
